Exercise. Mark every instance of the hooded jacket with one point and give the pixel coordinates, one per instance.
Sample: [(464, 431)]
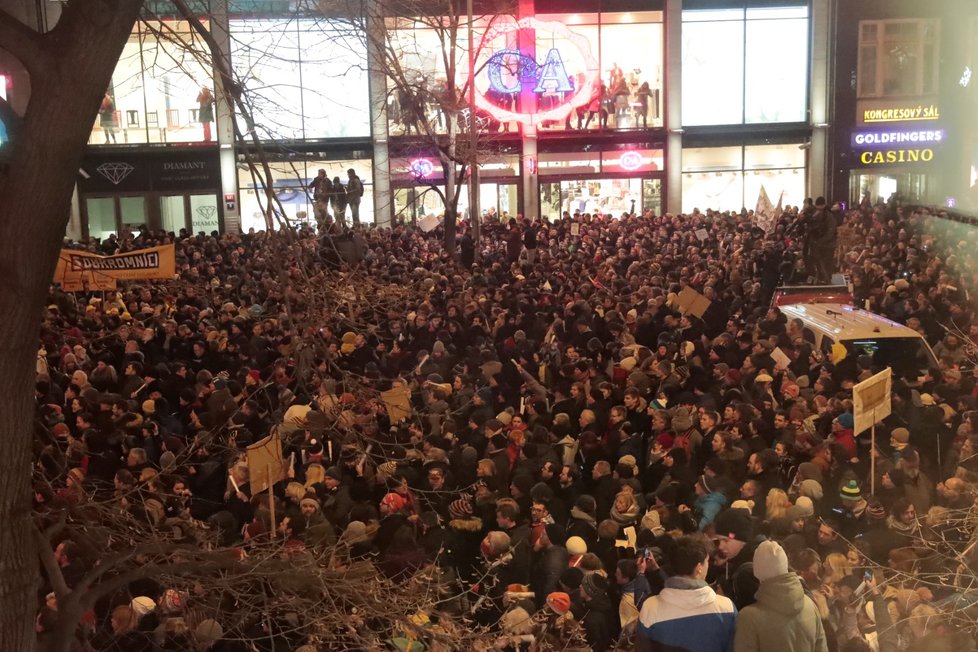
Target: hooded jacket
[(687, 615), (783, 619)]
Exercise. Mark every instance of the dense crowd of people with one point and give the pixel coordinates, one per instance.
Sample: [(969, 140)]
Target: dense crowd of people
[(593, 466)]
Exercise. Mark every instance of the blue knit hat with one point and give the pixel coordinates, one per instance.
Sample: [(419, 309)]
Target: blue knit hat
[(845, 420)]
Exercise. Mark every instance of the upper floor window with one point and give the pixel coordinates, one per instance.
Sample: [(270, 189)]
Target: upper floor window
[(898, 57)]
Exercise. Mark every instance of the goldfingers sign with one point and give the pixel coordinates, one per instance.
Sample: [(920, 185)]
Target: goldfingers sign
[(80, 270)]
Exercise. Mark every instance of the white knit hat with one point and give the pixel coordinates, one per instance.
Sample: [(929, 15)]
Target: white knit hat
[(769, 561), (576, 546)]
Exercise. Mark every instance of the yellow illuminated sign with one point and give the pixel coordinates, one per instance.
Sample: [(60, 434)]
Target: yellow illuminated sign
[(902, 114)]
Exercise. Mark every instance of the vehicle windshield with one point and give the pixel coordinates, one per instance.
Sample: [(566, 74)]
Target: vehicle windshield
[(903, 354)]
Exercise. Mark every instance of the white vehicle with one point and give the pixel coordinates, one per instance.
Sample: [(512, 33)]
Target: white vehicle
[(863, 333)]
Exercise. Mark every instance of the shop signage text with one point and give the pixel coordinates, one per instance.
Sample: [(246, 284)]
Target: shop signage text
[(529, 75), (868, 139), (511, 72), (902, 113), (896, 156)]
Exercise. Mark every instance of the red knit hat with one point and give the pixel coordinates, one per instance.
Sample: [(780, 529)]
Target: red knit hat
[(560, 602)]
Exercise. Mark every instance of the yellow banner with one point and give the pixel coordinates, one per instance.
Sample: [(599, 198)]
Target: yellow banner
[(79, 270)]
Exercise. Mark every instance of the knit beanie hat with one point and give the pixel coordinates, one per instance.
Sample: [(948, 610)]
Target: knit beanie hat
[(595, 584), (586, 504), (576, 546), (460, 508), (735, 524), (875, 510), (811, 488), (845, 420), (571, 578), (810, 471), (769, 561), (900, 436), (850, 491), (652, 522), (559, 601), (805, 506)]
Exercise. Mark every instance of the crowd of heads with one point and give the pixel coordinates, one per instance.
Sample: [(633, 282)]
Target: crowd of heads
[(545, 424)]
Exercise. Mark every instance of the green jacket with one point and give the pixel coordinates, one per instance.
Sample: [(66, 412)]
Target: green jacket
[(783, 619)]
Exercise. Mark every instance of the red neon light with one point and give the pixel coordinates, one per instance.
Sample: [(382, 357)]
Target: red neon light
[(580, 97)]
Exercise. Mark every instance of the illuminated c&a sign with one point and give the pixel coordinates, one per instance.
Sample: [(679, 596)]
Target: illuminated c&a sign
[(508, 78)]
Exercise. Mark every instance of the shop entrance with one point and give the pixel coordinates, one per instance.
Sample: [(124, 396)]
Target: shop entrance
[(197, 212), (107, 215), (612, 196), (882, 185), (496, 200)]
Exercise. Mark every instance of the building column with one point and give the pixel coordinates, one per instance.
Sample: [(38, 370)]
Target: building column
[(224, 121), (379, 126), (673, 119), (529, 162), (820, 93)]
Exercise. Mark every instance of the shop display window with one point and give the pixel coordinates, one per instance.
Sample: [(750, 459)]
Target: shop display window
[(304, 79), (153, 94), (730, 178), (291, 184), (745, 66)]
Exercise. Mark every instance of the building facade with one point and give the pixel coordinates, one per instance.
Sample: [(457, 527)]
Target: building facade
[(610, 106), (906, 102)]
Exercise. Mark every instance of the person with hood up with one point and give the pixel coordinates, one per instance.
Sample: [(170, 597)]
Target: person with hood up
[(709, 502), (783, 618), (687, 615)]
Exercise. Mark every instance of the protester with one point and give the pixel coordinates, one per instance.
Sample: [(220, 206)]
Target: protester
[(551, 423)]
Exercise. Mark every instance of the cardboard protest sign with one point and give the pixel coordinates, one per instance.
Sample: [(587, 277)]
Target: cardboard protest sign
[(265, 463), (693, 302)]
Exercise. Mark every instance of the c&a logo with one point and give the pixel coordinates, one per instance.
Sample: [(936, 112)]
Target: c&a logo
[(533, 71)]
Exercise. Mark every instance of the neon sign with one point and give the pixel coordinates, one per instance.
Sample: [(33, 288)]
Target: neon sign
[(630, 161), (865, 139), (422, 167), (902, 113), (527, 71), (511, 73)]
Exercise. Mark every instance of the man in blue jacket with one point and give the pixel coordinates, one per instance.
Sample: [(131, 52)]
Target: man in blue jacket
[(688, 615)]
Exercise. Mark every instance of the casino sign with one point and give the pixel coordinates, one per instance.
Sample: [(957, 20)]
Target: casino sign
[(505, 77)]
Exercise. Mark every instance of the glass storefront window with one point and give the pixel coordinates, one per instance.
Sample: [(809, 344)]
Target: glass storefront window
[(101, 216), (730, 178), (898, 58), (204, 213), (735, 71), (172, 213), (628, 47), (606, 196), (304, 79), (422, 52), (153, 96), (133, 211), (291, 183)]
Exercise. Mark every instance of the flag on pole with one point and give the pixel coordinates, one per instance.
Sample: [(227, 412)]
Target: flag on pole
[(765, 213)]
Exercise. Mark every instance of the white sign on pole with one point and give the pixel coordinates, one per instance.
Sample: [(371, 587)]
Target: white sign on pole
[(871, 400), (429, 222)]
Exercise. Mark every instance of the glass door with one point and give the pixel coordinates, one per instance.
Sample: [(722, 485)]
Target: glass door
[(204, 215), (101, 217), (173, 213), (196, 213)]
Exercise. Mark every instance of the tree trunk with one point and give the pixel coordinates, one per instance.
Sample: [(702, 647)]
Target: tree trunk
[(35, 198)]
